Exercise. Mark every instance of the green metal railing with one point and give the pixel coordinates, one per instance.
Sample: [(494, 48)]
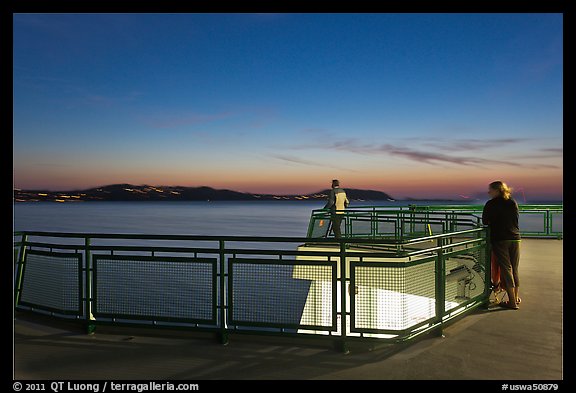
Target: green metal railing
[(389, 289), (535, 220), (385, 222)]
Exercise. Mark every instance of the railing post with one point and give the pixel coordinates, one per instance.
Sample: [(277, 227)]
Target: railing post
[(20, 269), (341, 343), (311, 224), (90, 326), (374, 223), (487, 266), (223, 333), (548, 223), (440, 293)]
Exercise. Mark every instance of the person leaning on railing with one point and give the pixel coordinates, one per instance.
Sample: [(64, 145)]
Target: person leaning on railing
[(337, 203), (501, 215)]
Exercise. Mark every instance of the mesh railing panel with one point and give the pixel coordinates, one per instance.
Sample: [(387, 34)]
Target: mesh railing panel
[(386, 227), (51, 281), (415, 228), (556, 223), (361, 226), (436, 228), (532, 222), (320, 227), (287, 294), (155, 288), (465, 276), (392, 297)]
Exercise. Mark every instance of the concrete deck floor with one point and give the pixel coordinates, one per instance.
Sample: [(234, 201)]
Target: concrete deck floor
[(488, 344)]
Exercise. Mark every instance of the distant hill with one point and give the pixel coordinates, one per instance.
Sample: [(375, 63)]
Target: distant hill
[(130, 192), (366, 195)]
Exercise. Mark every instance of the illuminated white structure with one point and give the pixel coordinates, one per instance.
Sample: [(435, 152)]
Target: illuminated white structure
[(387, 297)]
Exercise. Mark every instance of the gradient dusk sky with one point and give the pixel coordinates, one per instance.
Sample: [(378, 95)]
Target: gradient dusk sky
[(416, 105)]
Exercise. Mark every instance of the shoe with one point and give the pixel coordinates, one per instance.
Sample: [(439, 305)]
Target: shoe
[(508, 306)]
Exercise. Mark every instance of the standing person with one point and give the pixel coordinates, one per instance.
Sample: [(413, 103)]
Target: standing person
[(337, 202), (501, 215)]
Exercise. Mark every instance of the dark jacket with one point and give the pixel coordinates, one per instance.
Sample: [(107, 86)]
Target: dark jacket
[(502, 217), (337, 201)]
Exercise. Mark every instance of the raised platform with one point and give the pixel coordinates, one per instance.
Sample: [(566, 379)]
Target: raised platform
[(492, 344)]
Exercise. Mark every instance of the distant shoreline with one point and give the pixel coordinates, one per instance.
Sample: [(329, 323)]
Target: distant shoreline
[(130, 192), (147, 193)]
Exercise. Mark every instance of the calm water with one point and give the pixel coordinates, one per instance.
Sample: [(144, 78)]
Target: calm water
[(259, 218), (262, 218)]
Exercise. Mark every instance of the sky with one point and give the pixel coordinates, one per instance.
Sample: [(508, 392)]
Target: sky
[(415, 105)]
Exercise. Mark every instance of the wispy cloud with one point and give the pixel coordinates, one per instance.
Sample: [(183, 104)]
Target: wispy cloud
[(472, 144), (441, 144), (546, 152), (555, 150), (429, 156), (302, 161)]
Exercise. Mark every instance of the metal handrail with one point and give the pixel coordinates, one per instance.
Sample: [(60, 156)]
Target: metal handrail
[(255, 239)]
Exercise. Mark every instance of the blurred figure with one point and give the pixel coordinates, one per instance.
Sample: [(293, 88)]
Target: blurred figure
[(337, 203), (501, 215)]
